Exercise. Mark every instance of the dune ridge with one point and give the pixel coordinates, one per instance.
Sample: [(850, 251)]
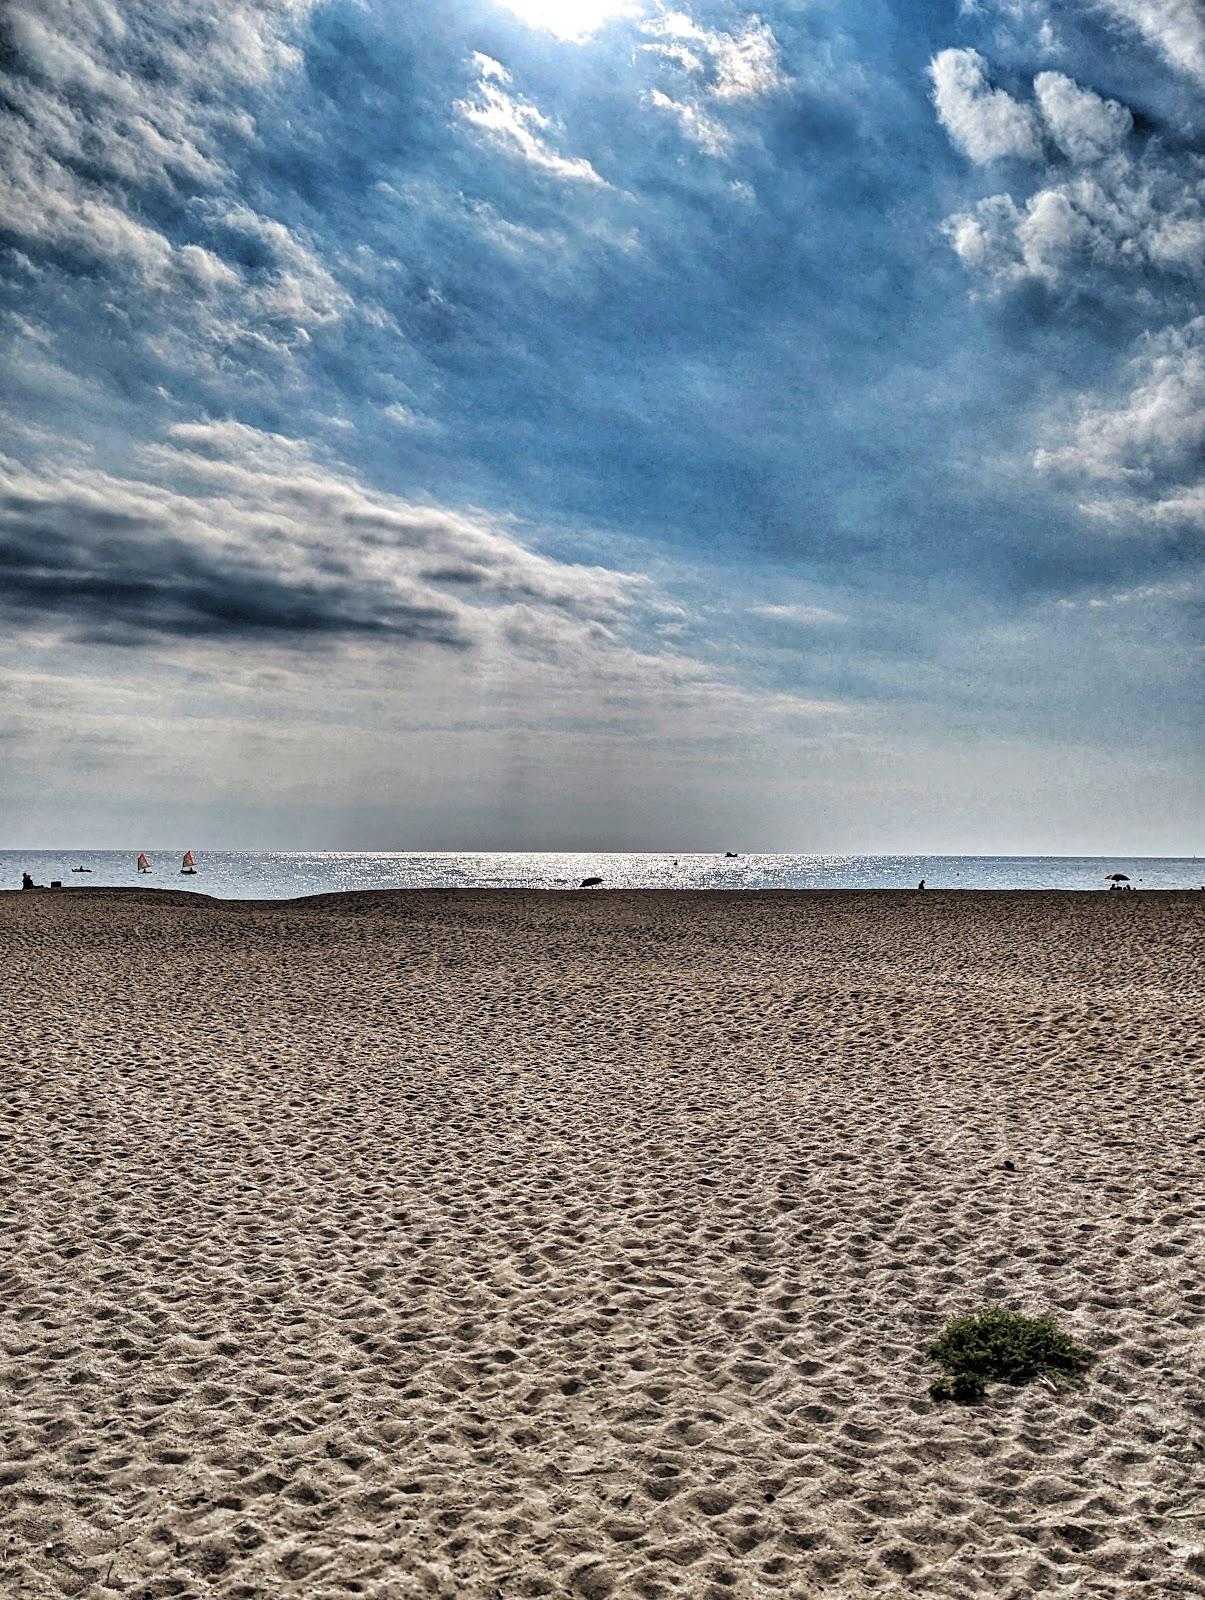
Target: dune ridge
[(494, 1244)]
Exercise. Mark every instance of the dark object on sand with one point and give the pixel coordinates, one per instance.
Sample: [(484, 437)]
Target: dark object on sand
[(999, 1346), (27, 882), (1009, 1166), (56, 883), (921, 884), (590, 883)]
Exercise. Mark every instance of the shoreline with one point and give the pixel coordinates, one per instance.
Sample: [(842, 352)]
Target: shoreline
[(602, 892)]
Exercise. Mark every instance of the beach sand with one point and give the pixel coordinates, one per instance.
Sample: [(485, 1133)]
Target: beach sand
[(516, 1244)]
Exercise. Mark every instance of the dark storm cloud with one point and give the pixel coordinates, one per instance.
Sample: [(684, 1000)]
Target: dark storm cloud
[(232, 532), (115, 576)]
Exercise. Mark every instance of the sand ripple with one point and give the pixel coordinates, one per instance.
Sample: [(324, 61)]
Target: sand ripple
[(519, 1245)]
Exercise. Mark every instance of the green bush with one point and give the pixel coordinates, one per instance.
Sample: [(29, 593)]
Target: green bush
[(998, 1346)]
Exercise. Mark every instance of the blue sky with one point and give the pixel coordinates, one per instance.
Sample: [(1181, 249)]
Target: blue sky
[(602, 424)]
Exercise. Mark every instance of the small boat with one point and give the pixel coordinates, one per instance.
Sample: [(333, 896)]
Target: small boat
[(143, 864), (189, 865), (730, 855), (81, 869)]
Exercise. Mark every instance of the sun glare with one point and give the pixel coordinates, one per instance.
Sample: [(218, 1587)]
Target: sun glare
[(571, 19)]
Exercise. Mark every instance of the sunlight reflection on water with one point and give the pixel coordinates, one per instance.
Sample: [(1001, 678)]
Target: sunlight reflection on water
[(282, 874)]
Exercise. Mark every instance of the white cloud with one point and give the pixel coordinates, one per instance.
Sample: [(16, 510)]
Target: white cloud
[(1083, 125), (802, 616), (1144, 457), (1113, 212), (517, 126), (294, 286), (1160, 422), (1176, 28), (85, 137), (43, 202), (490, 70), (714, 69), (987, 124), (1146, 594), (1121, 216), (738, 66), (1019, 22), (703, 129), (403, 417), (203, 271), (1106, 208)]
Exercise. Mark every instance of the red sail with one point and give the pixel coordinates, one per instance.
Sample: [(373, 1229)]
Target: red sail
[(143, 864), (188, 859)]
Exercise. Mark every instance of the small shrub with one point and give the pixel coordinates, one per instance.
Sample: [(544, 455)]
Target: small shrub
[(998, 1346)]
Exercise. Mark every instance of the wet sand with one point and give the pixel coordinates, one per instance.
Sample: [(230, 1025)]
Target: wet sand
[(515, 1244)]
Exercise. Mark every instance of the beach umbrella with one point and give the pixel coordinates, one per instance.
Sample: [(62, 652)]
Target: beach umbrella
[(1117, 877)]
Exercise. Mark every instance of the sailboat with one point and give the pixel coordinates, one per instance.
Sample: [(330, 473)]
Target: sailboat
[(189, 866), (143, 864)]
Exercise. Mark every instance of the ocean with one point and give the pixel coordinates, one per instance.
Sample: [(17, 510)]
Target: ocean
[(283, 874)]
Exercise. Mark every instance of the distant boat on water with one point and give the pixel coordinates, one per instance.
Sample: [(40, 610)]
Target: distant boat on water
[(143, 864), (81, 869), (189, 865)]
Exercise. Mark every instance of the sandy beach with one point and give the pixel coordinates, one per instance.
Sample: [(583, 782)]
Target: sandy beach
[(508, 1244)]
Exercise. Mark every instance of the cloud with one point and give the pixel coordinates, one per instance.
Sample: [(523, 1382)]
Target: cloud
[(1112, 213), (1124, 218), (801, 616), (1176, 28), (403, 417), (1101, 211), (989, 125), (1148, 594), (737, 66), (1145, 456), (1085, 126), (986, 124), (231, 531), (1018, 22), (714, 69), (286, 282), (699, 126), (112, 157), (513, 124)]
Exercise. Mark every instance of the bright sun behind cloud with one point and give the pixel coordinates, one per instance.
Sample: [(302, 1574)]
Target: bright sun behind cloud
[(571, 19)]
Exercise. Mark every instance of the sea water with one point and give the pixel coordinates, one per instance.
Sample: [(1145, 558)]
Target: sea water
[(283, 874)]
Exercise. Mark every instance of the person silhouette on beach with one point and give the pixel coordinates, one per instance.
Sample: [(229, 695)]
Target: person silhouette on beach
[(921, 884)]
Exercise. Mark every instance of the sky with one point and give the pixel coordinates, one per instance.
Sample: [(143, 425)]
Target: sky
[(605, 424)]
